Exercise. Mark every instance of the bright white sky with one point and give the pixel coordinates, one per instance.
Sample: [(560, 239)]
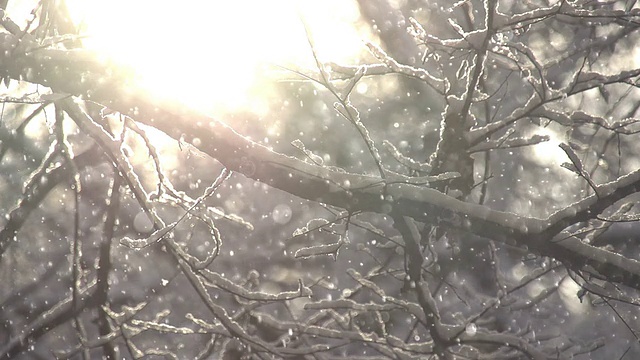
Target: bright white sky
[(217, 57)]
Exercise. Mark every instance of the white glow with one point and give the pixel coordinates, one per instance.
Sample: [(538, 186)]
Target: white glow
[(568, 291), (549, 153), (214, 55)]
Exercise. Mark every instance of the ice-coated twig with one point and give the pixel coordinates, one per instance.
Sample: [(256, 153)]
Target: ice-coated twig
[(344, 107), (474, 38), (153, 153), (394, 66), (418, 32), (603, 16), (205, 325), (317, 250), (577, 163), (352, 114), (298, 144), (592, 79), (405, 160), (151, 239), (519, 20), (362, 71), (207, 220), (504, 143), (395, 178), (113, 150), (541, 79), (221, 313), (172, 196), (579, 117), (192, 210), (583, 81), (513, 341), (389, 66), (350, 304), (214, 279), (40, 172), (321, 331), (165, 328), (477, 135), (313, 225)]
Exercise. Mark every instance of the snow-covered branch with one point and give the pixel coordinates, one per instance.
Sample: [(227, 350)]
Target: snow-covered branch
[(94, 80)]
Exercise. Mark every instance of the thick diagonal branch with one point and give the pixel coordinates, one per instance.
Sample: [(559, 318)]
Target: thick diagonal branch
[(79, 73)]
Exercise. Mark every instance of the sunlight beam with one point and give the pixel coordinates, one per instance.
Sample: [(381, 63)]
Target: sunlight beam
[(217, 56)]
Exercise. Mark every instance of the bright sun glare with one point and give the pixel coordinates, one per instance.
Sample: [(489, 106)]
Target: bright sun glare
[(217, 56)]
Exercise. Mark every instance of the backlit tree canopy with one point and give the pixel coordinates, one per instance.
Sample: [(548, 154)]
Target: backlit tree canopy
[(466, 188)]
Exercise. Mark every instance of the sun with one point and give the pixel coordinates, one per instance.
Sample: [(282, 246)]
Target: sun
[(217, 56), (549, 153)]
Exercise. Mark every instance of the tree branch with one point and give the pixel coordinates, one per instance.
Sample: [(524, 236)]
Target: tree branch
[(80, 73)]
